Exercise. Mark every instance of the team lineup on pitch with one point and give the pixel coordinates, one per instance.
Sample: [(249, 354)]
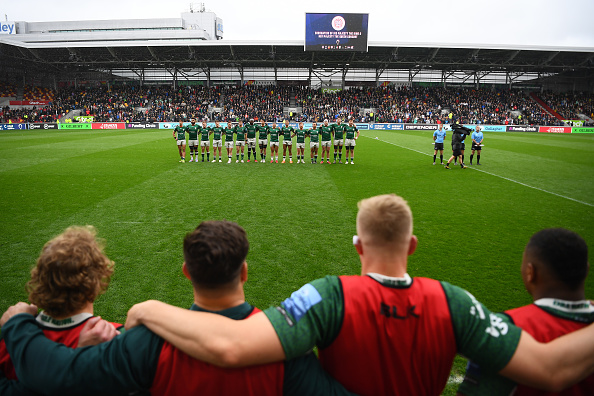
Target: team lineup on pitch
[(338, 135)]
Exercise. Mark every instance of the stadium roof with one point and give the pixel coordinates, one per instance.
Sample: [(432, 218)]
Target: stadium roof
[(52, 52)]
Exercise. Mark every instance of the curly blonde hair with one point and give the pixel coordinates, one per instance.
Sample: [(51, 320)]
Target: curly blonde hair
[(71, 271)]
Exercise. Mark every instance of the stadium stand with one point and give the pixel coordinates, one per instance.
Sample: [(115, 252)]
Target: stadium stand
[(381, 104)]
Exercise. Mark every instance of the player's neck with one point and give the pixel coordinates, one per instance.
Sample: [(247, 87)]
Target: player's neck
[(217, 300), (560, 294), (86, 309), (385, 264)]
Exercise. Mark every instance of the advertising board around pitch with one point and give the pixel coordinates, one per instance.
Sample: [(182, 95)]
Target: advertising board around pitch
[(339, 32)]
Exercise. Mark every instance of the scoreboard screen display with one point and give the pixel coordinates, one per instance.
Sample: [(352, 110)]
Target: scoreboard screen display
[(336, 32)]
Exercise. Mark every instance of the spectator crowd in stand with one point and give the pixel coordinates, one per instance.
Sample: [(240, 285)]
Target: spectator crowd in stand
[(382, 104)]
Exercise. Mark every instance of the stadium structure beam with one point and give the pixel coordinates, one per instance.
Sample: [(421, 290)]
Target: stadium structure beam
[(113, 53), (153, 53), (551, 57), (433, 54)]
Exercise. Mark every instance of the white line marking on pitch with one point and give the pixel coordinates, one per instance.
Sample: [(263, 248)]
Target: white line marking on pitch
[(493, 174)]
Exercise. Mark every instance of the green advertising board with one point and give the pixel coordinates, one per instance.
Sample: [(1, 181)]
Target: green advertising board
[(582, 130), (76, 126)]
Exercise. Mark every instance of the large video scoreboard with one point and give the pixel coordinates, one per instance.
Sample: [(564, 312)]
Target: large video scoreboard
[(336, 32)]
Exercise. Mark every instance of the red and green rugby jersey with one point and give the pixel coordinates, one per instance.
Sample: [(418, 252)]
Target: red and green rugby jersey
[(65, 331), (545, 319), (316, 315)]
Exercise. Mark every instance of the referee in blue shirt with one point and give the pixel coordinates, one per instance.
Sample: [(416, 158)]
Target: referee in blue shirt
[(477, 139), (438, 137)]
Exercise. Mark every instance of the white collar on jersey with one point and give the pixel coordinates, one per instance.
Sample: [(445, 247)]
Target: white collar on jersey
[(581, 306), (47, 321), (406, 280)]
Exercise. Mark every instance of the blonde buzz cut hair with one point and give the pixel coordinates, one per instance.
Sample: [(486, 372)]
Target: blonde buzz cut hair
[(385, 220)]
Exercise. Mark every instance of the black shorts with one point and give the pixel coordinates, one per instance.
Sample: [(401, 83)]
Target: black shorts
[(456, 149), (438, 146), (462, 146), (476, 147)]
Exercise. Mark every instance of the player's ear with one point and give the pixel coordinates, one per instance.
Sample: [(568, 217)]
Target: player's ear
[(243, 276), (185, 271), (530, 273), (412, 244)]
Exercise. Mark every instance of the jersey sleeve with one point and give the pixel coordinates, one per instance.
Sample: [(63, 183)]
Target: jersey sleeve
[(481, 336), (479, 382), (13, 387), (125, 364), (311, 316), (305, 376)]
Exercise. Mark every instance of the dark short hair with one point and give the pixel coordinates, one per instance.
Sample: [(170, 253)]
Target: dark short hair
[(214, 253), (563, 251)]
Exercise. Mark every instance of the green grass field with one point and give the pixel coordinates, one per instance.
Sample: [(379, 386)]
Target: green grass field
[(472, 224)]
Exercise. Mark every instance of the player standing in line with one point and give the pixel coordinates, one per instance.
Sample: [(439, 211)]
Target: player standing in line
[(217, 140), (314, 142), (262, 140), (554, 270), (192, 130), (138, 360), (274, 133), (229, 141), (352, 134), (438, 137), (205, 141), (477, 140), (379, 333), (179, 134), (338, 139), (287, 132), (326, 131), (300, 133), (240, 133), (71, 272), (251, 139)]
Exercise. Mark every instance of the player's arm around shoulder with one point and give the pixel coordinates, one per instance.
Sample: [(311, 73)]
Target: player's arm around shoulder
[(211, 337)]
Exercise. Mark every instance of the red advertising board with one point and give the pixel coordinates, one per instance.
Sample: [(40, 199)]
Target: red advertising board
[(29, 102), (554, 129), (109, 125)]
